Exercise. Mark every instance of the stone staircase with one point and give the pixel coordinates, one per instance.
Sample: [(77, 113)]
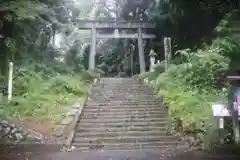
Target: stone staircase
[(122, 114)]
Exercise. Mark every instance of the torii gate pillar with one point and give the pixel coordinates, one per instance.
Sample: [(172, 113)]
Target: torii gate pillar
[(94, 25), (141, 51), (93, 49)]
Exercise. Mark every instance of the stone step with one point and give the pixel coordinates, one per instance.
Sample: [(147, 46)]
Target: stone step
[(132, 118), (120, 146), (126, 139), (126, 99), (121, 116), (82, 133), (112, 129), (122, 93), (122, 86), (117, 120), (118, 90), (124, 148), (96, 128), (120, 124), (121, 110), (124, 105), (131, 109), (114, 92), (124, 114), (125, 87)]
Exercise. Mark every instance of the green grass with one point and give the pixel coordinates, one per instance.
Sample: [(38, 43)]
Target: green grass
[(46, 99), (189, 111)]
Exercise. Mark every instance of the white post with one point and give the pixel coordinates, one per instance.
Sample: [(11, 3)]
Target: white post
[(10, 81)]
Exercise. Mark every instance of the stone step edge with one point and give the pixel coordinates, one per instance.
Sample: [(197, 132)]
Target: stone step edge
[(126, 138), (68, 124), (124, 145), (111, 129), (180, 148)]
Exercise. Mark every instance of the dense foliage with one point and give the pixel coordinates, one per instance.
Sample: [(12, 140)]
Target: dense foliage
[(50, 61), (174, 18), (44, 87), (190, 88)]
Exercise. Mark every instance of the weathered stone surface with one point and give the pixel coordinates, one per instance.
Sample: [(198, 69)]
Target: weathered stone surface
[(114, 118), (12, 134), (72, 112), (67, 120), (75, 106), (59, 130)]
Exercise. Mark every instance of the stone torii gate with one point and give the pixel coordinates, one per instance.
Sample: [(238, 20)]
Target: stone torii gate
[(138, 34)]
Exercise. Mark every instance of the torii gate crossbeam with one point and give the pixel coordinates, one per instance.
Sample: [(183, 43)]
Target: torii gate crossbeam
[(116, 25)]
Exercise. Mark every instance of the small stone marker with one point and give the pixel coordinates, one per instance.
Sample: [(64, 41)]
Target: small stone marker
[(152, 60), (221, 123)]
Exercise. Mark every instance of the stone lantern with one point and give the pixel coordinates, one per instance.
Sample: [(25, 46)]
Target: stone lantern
[(152, 55)]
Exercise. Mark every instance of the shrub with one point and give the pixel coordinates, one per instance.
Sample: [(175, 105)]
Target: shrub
[(190, 88), (43, 90)]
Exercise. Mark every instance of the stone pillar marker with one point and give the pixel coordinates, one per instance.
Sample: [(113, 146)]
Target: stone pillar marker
[(167, 51), (116, 33)]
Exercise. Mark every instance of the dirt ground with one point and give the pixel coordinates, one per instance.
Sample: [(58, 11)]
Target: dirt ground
[(155, 154)]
